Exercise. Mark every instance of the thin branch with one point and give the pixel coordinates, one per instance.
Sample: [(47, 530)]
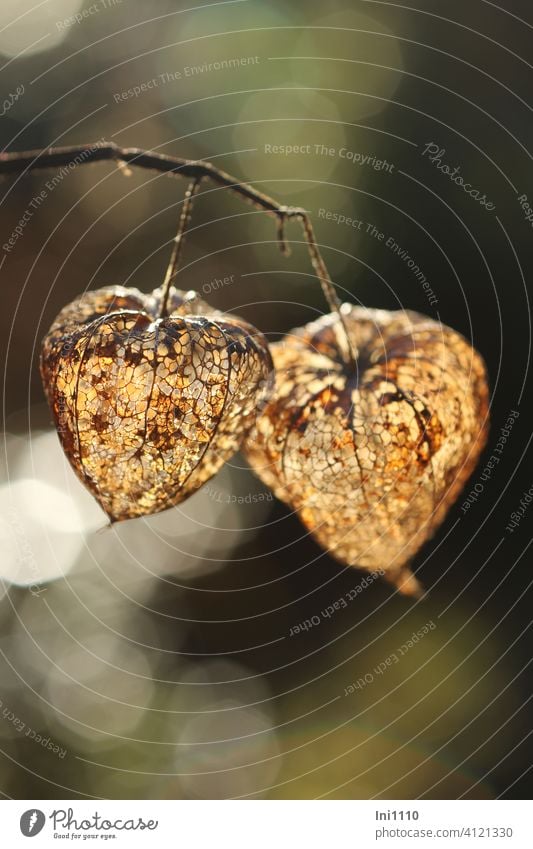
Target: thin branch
[(56, 157), (194, 170), (348, 350), (173, 265)]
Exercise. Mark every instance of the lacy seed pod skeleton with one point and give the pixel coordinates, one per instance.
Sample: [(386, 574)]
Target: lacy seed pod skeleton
[(148, 408), (372, 459)]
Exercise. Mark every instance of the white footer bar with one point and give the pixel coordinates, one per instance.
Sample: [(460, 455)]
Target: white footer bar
[(267, 824)]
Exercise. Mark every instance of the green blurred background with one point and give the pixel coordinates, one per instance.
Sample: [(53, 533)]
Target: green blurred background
[(154, 659)]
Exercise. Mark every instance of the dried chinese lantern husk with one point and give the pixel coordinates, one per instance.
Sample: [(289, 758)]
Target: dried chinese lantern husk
[(148, 408), (372, 460)]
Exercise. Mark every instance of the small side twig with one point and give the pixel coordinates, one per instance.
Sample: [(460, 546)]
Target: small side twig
[(196, 171), (348, 350), (173, 265)]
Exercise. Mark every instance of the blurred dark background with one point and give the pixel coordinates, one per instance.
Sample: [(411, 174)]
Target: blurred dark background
[(155, 659)]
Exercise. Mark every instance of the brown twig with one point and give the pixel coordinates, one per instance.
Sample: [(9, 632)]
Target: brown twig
[(173, 265), (196, 171)]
